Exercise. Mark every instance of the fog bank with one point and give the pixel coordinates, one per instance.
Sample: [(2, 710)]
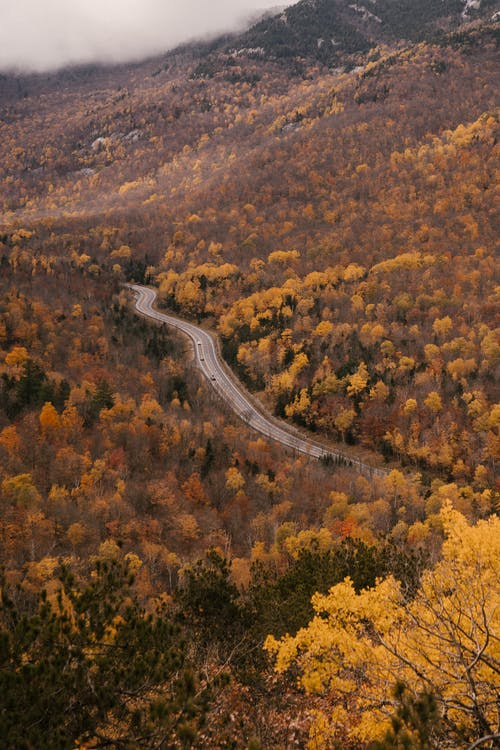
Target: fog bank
[(40, 35)]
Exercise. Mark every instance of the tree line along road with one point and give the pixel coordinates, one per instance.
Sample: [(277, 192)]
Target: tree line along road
[(207, 360)]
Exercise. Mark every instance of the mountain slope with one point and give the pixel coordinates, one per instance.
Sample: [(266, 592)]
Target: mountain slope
[(234, 191), (329, 29)]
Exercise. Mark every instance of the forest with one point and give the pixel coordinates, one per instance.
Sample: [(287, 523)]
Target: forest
[(169, 578)]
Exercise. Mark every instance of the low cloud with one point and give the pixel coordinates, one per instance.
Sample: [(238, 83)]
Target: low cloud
[(40, 35)]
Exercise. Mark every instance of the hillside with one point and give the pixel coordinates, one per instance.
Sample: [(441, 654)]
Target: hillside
[(352, 176), (331, 215), (329, 30)]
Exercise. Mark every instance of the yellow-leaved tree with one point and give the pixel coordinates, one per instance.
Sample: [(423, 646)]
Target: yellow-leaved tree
[(445, 641)]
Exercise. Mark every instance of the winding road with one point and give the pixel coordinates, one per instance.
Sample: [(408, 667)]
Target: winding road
[(207, 360)]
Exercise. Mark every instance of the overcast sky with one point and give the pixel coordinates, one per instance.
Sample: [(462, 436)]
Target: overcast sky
[(46, 34)]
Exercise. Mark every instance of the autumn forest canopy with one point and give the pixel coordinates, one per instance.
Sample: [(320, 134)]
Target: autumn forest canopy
[(169, 578)]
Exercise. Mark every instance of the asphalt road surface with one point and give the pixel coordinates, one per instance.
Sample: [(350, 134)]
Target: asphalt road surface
[(207, 360)]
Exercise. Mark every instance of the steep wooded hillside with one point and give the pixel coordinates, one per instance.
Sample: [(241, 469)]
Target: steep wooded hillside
[(336, 227), (329, 30)]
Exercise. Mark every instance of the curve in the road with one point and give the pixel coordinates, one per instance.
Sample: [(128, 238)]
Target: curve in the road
[(208, 361)]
